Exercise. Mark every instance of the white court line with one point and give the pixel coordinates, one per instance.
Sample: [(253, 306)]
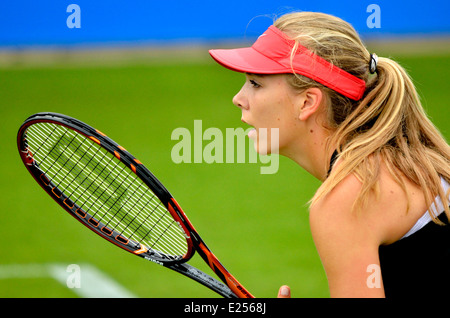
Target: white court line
[(93, 282)]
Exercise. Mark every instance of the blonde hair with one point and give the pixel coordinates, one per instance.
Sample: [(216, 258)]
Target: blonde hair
[(388, 123)]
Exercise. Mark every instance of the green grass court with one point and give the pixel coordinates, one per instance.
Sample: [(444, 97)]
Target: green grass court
[(256, 224)]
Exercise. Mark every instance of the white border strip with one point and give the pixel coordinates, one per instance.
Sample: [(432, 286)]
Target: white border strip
[(93, 283)]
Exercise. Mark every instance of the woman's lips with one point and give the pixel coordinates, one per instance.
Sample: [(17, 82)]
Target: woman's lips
[(252, 133)]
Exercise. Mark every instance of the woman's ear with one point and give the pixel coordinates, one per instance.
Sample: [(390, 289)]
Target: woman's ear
[(310, 102)]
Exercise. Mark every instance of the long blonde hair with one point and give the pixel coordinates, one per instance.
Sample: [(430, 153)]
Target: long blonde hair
[(388, 124)]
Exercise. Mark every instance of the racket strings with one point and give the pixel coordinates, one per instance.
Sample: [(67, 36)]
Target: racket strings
[(163, 231), (102, 185)]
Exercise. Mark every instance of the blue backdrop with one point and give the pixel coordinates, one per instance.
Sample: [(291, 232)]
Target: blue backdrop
[(44, 22)]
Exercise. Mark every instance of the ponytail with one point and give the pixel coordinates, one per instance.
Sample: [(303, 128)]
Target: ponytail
[(387, 125), (390, 125)]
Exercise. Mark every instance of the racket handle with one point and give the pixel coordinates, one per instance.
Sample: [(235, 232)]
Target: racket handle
[(203, 279)]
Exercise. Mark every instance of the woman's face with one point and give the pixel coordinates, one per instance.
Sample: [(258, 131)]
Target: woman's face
[(268, 103)]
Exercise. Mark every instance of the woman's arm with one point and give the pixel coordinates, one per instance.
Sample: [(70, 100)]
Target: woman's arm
[(347, 242)]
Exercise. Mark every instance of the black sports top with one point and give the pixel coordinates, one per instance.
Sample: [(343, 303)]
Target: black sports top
[(418, 265)]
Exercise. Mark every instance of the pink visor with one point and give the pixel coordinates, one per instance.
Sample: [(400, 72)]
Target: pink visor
[(271, 54)]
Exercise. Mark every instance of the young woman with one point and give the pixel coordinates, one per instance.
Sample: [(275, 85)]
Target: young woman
[(354, 121)]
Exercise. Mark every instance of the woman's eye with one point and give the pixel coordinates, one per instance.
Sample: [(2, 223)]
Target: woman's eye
[(254, 84)]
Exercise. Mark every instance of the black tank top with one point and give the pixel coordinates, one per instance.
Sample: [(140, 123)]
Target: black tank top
[(418, 265)]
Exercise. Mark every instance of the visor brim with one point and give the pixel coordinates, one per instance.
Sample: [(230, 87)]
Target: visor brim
[(247, 60)]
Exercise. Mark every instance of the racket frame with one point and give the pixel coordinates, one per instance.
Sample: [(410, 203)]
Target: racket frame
[(231, 287)]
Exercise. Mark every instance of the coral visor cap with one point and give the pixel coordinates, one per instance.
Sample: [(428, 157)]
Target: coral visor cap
[(271, 54)]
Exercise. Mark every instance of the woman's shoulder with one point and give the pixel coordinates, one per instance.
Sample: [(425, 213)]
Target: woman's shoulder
[(385, 216), (333, 214)]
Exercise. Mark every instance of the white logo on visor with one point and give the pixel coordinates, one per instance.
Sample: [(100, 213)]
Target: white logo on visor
[(261, 35)]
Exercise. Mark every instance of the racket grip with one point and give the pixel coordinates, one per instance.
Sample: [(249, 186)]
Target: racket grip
[(203, 279)]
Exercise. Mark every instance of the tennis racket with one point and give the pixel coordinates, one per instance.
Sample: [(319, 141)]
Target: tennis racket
[(113, 194)]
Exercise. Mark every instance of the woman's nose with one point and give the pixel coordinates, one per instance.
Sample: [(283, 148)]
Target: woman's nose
[(239, 100)]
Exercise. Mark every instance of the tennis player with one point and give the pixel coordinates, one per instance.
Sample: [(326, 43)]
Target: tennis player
[(354, 121)]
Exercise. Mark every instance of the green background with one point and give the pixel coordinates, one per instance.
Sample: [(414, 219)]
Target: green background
[(256, 224)]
